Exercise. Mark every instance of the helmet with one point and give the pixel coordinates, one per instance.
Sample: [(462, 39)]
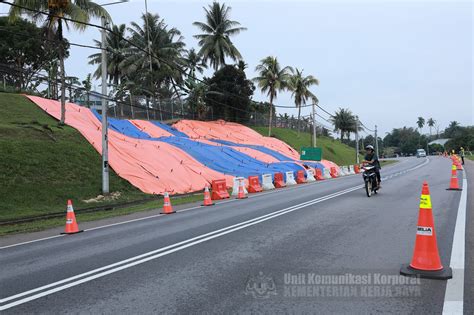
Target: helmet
[(369, 147)]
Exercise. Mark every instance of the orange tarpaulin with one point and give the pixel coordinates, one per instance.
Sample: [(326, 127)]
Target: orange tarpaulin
[(153, 167)]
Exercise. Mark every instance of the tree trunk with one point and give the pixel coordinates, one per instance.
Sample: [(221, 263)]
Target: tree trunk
[(63, 74), (271, 116), (299, 120)]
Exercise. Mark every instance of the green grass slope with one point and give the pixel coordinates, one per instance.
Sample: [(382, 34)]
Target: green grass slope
[(42, 165), (333, 150)]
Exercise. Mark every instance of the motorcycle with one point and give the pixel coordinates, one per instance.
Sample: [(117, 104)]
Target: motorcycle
[(370, 179)]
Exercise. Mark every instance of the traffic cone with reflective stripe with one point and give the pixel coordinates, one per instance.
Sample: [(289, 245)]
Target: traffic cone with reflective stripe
[(71, 223), (167, 207), (207, 197), (241, 194), (426, 262), (454, 183)]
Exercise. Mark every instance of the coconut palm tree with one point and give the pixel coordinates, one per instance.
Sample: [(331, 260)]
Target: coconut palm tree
[(167, 47), (193, 62), (272, 78), (344, 122), (81, 11), (215, 40), (420, 123), (431, 122), (116, 46), (71, 81), (299, 86), (87, 84)]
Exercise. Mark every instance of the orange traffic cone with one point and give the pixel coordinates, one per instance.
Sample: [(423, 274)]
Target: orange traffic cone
[(241, 194), (167, 207), (454, 184), (207, 197), (71, 223), (426, 262)]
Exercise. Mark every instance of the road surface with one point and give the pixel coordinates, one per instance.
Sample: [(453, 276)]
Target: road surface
[(296, 250)]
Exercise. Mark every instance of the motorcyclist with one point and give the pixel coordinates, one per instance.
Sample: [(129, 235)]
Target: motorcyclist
[(372, 159)]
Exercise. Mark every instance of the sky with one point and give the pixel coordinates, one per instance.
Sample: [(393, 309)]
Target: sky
[(387, 61)]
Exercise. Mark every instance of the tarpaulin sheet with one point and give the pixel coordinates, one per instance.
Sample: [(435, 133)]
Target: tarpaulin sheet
[(223, 159), (156, 158), (222, 130), (152, 166)]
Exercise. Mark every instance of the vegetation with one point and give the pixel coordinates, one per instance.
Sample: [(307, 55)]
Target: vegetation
[(344, 122), (215, 41), (230, 79), (333, 150), (271, 79), (36, 152), (299, 86), (80, 11)]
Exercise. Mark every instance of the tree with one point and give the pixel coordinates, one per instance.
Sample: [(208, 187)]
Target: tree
[(299, 86), (235, 104), (156, 74), (116, 47), (452, 129), (420, 123), (271, 79), (78, 10), (87, 83), (431, 122), (24, 52), (344, 122), (215, 40), (193, 62), (71, 81)]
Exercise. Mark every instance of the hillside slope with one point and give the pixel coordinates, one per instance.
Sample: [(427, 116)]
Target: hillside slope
[(333, 150), (43, 165)]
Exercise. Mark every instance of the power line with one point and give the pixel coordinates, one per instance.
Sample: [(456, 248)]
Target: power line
[(139, 48)]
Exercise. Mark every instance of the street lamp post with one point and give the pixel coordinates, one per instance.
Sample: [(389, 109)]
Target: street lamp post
[(105, 145), (105, 138)]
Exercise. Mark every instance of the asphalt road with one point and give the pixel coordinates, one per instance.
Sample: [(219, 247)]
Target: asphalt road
[(294, 250)]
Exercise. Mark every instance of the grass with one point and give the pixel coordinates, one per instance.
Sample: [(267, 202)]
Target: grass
[(470, 157), (92, 216), (42, 165), (333, 150)]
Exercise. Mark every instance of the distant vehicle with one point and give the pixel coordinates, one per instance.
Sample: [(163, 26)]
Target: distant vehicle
[(420, 153)]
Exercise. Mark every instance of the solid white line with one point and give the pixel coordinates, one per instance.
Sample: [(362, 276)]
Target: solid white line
[(198, 207), (33, 241), (454, 296), (133, 261)]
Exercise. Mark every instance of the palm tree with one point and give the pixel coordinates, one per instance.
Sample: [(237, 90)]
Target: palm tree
[(87, 84), (71, 81), (431, 122), (420, 123), (299, 86), (116, 46), (80, 11), (344, 122), (167, 47), (215, 41), (193, 62), (271, 79)]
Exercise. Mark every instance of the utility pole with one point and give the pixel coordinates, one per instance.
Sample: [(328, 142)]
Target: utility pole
[(357, 139), (151, 66), (105, 145), (314, 125), (376, 143)]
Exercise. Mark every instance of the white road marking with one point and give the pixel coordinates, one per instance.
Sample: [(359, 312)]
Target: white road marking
[(454, 296), (140, 259), (33, 241), (198, 207)]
